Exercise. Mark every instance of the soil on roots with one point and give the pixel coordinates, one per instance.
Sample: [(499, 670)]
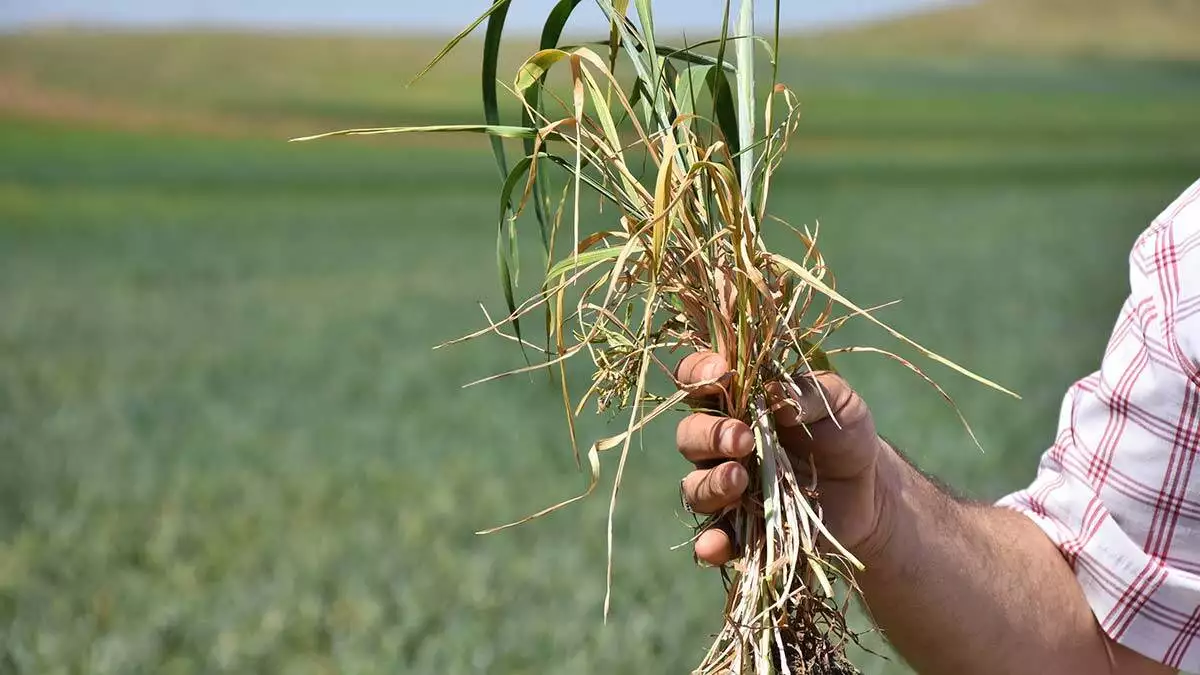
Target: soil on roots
[(814, 649)]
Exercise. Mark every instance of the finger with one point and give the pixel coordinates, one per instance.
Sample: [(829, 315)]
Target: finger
[(700, 437), (714, 547), (710, 490), (701, 367)]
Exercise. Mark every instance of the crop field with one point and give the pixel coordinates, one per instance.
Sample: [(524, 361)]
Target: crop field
[(226, 445)]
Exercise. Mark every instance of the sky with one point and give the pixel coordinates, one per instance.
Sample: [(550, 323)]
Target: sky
[(406, 15)]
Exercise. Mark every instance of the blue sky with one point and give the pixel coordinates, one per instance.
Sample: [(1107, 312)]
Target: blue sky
[(402, 14)]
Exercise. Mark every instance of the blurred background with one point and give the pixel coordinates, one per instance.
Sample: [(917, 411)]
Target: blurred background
[(225, 444)]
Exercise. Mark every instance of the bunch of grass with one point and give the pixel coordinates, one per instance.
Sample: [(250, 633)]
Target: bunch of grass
[(683, 265)]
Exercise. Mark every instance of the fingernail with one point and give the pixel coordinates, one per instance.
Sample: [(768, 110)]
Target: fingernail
[(735, 478), (735, 440)]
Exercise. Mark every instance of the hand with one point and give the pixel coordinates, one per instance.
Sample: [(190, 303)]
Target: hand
[(853, 464)]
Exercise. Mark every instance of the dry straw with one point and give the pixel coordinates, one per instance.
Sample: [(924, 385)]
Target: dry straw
[(686, 158)]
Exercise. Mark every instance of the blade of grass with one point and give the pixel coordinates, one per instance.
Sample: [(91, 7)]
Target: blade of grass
[(583, 259), (491, 59), (506, 247), (643, 63), (592, 183), (683, 54), (722, 43), (745, 87), (555, 22), (620, 9), (497, 6), (691, 49), (490, 129), (810, 279), (552, 30), (646, 20), (920, 373)]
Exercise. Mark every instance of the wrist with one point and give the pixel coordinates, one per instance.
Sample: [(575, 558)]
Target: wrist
[(877, 551)]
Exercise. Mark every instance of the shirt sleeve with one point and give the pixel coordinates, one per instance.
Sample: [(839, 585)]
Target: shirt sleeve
[(1119, 490)]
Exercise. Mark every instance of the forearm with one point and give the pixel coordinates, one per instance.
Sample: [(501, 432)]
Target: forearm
[(962, 588)]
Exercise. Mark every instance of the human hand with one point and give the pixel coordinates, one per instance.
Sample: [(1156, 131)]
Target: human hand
[(853, 465)]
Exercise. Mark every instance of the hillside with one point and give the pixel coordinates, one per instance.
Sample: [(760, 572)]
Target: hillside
[(284, 83), (1118, 28)]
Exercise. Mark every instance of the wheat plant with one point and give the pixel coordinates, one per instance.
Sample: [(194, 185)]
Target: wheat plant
[(680, 152)]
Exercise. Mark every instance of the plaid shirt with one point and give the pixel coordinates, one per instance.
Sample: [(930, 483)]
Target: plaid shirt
[(1119, 491)]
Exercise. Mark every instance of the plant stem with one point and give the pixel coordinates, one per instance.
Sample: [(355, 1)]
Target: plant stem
[(765, 444)]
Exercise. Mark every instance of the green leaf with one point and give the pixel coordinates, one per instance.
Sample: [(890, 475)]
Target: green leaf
[(689, 53), (775, 50), (506, 248), (646, 19), (654, 75), (534, 70), (643, 63), (490, 129), (724, 38), (499, 4), (639, 94), (596, 185), (583, 260), (711, 78), (491, 58), (745, 97), (551, 32), (816, 357), (506, 284), (684, 54), (620, 9), (507, 254), (608, 125), (553, 28)]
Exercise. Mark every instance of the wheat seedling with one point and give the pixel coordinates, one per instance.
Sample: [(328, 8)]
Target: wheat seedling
[(682, 265)]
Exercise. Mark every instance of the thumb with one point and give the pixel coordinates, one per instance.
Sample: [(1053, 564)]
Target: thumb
[(822, 420)]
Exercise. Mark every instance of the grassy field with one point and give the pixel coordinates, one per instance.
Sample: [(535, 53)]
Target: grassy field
[(227, 447)]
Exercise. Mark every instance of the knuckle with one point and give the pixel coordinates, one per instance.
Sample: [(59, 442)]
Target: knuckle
[(848, 406), (826, 393), (730, 481), (737, 438), (694, 488), (721, 436), (843, 396), (714, 490)]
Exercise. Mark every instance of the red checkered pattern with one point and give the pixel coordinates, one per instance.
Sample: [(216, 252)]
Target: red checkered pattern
[(1119, 491)]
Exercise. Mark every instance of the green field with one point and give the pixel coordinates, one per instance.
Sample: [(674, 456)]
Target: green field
[(225, 443)]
